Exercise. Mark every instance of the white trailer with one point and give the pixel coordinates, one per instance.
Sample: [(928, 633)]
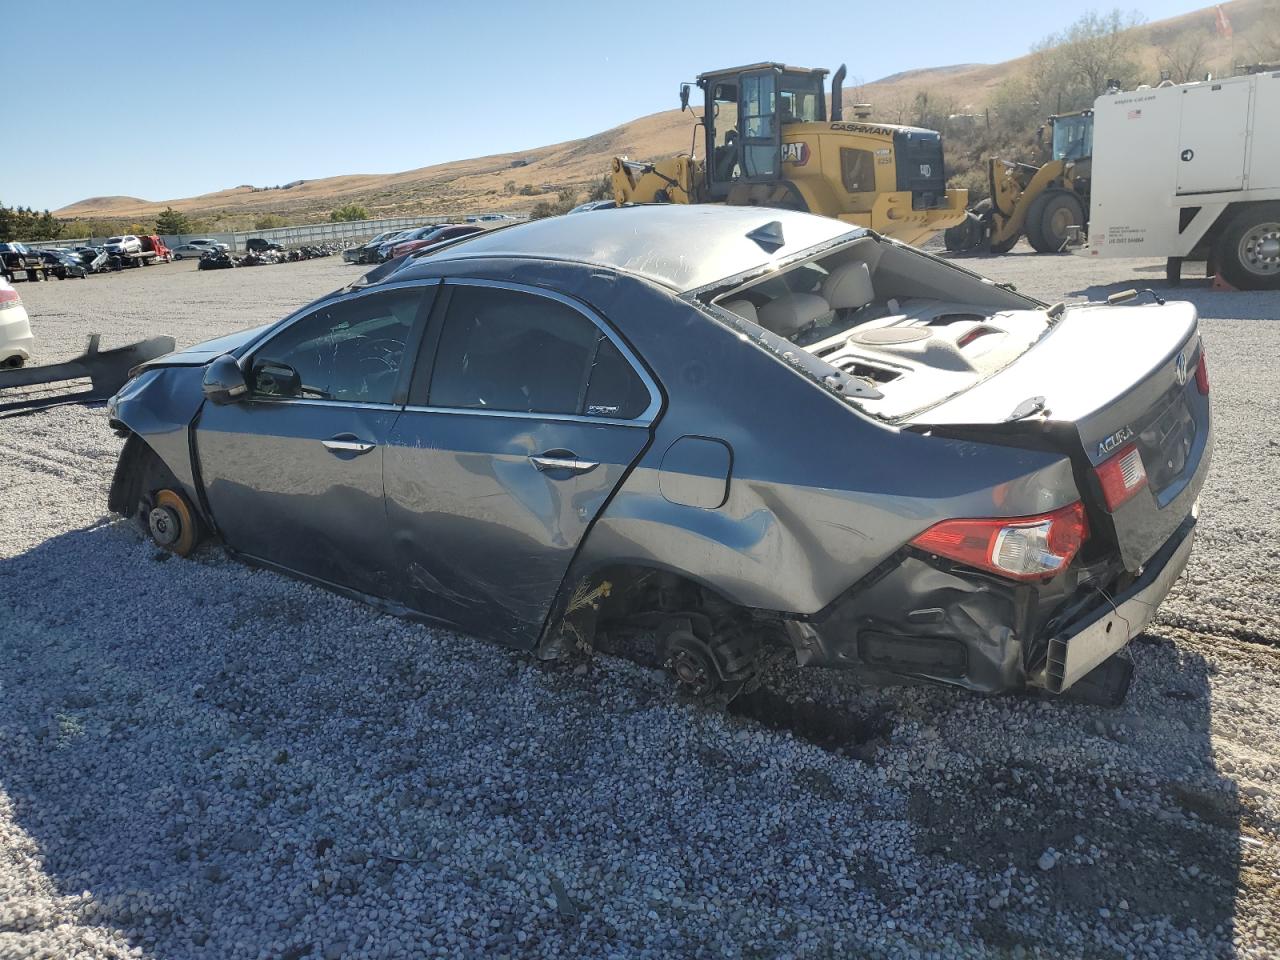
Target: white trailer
[(1191, 172)]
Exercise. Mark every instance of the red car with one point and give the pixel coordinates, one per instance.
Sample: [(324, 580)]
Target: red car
[(446, 231)]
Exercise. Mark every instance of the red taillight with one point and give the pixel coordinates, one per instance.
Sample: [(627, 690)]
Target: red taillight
[(1122, 476), (1024, 548), (9, 297), (1202, 374)]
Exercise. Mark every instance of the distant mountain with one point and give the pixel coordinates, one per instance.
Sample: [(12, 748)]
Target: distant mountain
[(465, 185)]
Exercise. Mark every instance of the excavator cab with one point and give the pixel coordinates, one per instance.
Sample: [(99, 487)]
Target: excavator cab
[(1072, 136), (745, 111)]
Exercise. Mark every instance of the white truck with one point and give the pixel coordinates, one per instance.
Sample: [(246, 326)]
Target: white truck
[(1191, 172)]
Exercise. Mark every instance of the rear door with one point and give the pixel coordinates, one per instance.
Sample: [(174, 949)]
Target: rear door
[(293, 472), (1213, 137), (525, 413)]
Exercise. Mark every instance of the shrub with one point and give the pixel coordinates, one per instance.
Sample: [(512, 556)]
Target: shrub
[(345, 214)]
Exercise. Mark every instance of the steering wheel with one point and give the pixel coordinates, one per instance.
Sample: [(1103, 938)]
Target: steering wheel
[(383, 350)]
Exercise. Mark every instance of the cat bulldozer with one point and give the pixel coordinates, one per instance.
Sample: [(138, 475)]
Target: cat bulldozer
[(770, 141), (1042, 202)]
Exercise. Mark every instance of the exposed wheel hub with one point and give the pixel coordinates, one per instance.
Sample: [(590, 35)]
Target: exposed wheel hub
[(164, 525), (1260, 249), (691, 663)]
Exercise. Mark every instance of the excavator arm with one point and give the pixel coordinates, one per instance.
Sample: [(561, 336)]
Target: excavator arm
[(672, 180)]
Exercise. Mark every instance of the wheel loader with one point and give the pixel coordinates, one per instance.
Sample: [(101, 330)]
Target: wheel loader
[(1043, 202), (770, 141)]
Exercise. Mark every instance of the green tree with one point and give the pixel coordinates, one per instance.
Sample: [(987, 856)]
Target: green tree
[(270, 221), (352, 211), (23, 223), (602, 189), (172, 222)]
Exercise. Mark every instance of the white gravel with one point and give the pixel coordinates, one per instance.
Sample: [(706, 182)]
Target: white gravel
[(198, 759)]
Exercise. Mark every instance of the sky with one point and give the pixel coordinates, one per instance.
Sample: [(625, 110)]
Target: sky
[(170, 100)]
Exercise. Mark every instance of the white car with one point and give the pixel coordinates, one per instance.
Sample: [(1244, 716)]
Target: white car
[(126, 244), (191, 250), (16, 339), (207, 244)]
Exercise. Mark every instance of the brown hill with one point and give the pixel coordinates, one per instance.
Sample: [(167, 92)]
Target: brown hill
[(479, 183)]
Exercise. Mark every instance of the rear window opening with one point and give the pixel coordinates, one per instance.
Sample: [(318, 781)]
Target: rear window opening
[(889, 317)]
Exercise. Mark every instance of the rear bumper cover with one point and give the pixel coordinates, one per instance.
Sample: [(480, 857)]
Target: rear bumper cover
[(947, 624), (1108, 627)]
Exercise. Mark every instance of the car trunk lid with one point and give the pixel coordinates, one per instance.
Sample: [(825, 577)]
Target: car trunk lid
[(1103, 379)]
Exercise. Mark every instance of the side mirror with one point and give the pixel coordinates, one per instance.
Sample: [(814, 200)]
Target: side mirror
[(224, 381), (274, 379), (684, 97)]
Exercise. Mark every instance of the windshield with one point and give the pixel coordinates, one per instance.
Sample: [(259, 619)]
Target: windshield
[(801, 98), (1072, 137), (114, 239)]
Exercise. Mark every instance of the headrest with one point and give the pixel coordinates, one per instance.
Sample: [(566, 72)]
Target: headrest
[(849, 286), (792, 312), (743, 308)]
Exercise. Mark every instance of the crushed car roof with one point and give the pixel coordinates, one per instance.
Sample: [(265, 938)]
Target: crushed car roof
[(681, 247)]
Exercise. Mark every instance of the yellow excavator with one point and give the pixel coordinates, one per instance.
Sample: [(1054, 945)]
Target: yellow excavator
[(1043, 202), (771, 142)]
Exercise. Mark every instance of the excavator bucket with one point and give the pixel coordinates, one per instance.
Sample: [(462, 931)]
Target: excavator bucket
[(106, 371)]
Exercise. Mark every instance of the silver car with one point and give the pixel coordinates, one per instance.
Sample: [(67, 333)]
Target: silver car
[(728, 430)]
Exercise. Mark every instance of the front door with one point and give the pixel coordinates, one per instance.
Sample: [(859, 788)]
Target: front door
[(293, 473), (761, 132), (524, 414)]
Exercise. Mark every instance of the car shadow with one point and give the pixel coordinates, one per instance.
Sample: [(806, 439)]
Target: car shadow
[(155, 767)]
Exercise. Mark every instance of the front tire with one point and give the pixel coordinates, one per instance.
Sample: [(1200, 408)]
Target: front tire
[(1050, 218), (1248, 250)]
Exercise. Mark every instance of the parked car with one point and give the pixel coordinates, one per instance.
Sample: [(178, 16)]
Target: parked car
[(208, 244), (64, 264), (594, 205), (16, 340), (446, 231), (122, 245), (489, 217), (16, 258), (93, 259), (368, 252), (259, 245), (383, 252), (192, 251), (727, 429)]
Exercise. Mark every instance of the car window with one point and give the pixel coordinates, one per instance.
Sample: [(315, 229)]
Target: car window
[(350, 351), (513, 351), (614, 389)]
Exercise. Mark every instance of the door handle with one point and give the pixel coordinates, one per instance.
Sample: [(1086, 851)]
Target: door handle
[(567, 462), (345, 445)]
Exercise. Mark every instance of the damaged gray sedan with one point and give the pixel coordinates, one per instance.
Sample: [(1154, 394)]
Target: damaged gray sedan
[(731, 431)]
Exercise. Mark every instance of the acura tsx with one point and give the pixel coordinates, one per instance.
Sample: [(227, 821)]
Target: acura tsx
[(741, 430)]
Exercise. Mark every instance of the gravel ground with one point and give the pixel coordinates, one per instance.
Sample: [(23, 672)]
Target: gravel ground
[(199, 759)]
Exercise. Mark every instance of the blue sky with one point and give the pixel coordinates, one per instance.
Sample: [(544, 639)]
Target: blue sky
[(165, 100)]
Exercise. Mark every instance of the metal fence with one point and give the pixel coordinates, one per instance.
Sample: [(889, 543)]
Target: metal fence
[(341, 232)]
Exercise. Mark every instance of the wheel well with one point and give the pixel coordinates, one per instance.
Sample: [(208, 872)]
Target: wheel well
[(1204, 246), (139, 472), (636, 594)]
